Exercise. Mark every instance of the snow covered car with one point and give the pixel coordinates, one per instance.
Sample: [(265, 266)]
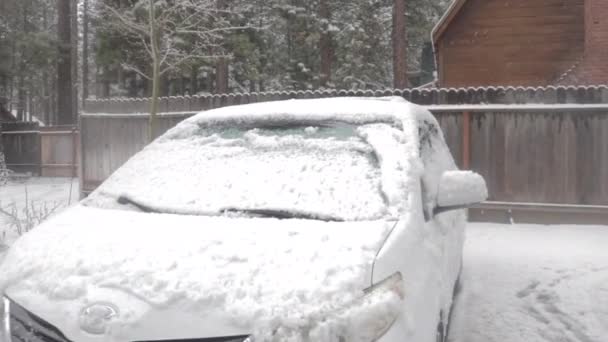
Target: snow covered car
[(303, 220)]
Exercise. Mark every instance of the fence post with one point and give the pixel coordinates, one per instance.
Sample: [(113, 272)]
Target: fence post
[(466, 140)]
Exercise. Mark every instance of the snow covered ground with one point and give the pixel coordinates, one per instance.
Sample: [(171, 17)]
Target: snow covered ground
[(533, 283), (49, 192), (520, 283)]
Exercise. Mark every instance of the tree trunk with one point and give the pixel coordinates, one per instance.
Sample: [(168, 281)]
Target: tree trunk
[(46, 87), (164, 85), (132, 85), (152, 129), (85, 52), (325, 45), (11, 84), (194, 81), (221, 68), (46, 104), (105, 83), (65, 104), (21, 91), (399, 40), (21, 115), (221, 76), (74, 48)]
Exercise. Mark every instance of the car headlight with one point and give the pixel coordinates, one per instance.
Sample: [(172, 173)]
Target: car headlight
[(367, 318), (5, 319), (381, 307)]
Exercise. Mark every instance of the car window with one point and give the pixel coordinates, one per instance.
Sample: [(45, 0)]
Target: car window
[(324, 170)]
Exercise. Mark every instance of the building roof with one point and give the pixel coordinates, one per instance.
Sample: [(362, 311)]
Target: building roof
[(446, 19), (5, 115)]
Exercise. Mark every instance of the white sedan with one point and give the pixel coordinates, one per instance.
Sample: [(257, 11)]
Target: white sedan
[(303, 220)]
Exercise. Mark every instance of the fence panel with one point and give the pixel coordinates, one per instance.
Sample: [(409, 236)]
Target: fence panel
[(108, 141), (59, 151), (542, 157), (21, 144)]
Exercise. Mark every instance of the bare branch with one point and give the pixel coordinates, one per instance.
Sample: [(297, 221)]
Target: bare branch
[(136, 70), (128, 24)]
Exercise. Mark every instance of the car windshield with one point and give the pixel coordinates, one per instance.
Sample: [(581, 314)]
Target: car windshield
[(325, 171)]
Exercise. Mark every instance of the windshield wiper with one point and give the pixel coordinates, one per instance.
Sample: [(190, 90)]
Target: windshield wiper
[(262, 212), (283, 214), (146, 209)]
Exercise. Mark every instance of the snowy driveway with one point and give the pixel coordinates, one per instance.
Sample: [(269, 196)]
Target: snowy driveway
[(533, 283)]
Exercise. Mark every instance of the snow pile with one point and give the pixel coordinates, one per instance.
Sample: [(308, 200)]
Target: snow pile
[(36, 194), (461, 187), (533, 283), (304, 277), (3, 170)]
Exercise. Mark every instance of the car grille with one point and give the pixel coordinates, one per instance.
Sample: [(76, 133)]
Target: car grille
[(27, 327), (212, 339)]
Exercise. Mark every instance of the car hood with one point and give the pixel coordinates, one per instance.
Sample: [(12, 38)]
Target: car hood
[(172, 277)]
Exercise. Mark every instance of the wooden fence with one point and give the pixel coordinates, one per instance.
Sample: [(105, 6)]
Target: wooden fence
[(430, 96), (545, 145), (41, 151)]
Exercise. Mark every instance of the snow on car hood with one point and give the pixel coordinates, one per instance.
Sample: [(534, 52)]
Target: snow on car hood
[(252, 271)]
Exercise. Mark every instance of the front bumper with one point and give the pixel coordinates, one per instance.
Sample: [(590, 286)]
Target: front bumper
[(20, 325)]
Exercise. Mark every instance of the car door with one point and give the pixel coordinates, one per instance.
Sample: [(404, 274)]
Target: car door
[(445, 231)]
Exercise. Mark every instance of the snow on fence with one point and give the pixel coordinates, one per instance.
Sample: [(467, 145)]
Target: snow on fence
[(42, 151), (533, 145)]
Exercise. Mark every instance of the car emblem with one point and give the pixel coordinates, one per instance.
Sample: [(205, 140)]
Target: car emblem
[(94, 319)]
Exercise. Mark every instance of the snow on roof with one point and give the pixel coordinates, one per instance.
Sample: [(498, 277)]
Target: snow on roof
[(346, 109), (445, 20)]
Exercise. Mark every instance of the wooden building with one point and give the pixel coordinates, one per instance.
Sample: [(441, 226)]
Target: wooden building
[(522, 43), (5, 115)]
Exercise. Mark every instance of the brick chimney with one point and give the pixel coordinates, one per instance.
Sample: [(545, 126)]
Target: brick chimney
[(594, 65)]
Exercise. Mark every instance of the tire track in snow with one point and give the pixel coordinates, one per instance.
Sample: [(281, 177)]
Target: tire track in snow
[(533, 283), (543, 305)]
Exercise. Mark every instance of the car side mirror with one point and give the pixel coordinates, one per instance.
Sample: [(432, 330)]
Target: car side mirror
[(459, 190)]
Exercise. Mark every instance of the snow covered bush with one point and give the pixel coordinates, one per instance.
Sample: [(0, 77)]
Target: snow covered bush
[(32, 214), (3, 170)]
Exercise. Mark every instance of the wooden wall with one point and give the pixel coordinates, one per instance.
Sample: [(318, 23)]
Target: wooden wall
[(511, 42)]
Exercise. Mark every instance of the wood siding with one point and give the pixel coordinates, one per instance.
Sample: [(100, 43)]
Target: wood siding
[(511, 42)]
